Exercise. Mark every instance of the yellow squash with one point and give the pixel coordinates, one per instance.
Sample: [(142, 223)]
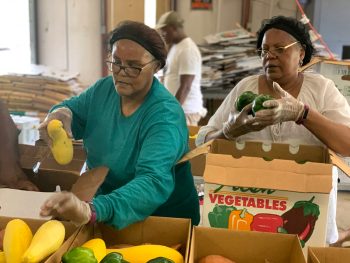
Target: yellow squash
[(2, 257), (98, 246), (144, 253), (62, 147), (47, 239), (17, 239)]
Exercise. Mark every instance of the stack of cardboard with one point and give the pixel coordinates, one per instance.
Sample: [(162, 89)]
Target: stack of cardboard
[(227, 58), (35, 92)]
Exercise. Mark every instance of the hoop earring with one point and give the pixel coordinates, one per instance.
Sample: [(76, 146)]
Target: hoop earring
[(300, 62)]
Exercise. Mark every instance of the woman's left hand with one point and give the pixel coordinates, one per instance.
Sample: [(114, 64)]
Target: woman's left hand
[(67, 206), (287, 108)]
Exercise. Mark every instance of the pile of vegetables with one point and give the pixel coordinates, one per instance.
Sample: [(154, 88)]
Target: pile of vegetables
[(20, 246), (95, 250)]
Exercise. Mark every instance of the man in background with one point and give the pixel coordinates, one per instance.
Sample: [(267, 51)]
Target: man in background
[(11, 174), (182, 73)]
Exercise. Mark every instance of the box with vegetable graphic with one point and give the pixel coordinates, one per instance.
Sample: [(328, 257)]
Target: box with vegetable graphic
[(268, 187), (154, 240)]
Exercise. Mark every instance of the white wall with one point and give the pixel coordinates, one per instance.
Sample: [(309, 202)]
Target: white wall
[(199, 23), (262, 9), (69, 36)]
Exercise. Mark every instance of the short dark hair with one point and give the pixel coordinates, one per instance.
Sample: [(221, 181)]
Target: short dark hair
[(142, 34), (293, 27)]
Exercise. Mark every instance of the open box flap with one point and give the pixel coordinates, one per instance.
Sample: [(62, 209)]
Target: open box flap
[(337, 161), (276, 174), (87, 184)]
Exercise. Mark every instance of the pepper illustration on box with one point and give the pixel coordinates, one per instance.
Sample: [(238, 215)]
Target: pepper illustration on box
[(220, 216), (264, 222), (240, 220)]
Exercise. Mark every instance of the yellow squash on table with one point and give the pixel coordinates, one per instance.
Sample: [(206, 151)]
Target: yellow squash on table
[(47, 239), (17, 239), (144, 253)]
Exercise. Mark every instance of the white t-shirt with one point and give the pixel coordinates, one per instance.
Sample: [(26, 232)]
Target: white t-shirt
[(320, 94), (184, 58), (317, 91)]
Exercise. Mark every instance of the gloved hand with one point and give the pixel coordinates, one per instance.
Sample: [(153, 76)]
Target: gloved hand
[(240, 123), (287, 108), (67, 206), (64, 115)]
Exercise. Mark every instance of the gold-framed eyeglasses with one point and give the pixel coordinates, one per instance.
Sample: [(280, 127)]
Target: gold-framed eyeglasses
[(262, 52), (132, 72)]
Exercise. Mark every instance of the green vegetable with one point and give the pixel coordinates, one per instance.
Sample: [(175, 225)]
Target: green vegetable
[(79, 255), (258, 102), (113, 257), (220, 215), (244, 99), (160, 260)]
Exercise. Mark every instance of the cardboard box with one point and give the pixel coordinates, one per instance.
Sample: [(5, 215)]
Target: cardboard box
[(155, 230), (26, 204), (328, 255), (244, 246), (339, 72), (198, 162), (269, 188)]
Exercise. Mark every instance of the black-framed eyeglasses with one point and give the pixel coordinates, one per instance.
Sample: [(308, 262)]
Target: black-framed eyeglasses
[(262, 52), (132, 72)]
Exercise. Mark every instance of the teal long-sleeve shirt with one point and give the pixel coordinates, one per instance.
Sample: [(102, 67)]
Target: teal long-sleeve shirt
[(141, 151)]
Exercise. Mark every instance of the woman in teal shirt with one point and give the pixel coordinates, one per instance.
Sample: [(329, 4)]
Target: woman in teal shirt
[(130, 123)]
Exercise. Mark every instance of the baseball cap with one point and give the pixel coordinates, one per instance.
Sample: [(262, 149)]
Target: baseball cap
[(169, 18)]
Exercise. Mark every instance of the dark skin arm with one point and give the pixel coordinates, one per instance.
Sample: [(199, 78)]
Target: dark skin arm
[(11, 174), (185, 87)]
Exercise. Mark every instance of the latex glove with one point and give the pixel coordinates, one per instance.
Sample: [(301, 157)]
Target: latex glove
[(64, 115), (67, 206), (240, 123), (287, 108)]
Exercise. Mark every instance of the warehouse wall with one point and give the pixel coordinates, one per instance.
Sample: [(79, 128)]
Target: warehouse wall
[(332, 22), (226, 13), (199, 23), (69, 36)]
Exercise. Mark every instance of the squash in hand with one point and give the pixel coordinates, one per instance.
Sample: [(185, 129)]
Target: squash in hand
[(62, 146)]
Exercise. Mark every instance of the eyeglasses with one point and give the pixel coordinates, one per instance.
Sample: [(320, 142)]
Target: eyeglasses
[(132, 72), (262, 53)]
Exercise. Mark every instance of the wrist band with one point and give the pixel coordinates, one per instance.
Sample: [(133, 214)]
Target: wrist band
[(304, 115), (93, 212)]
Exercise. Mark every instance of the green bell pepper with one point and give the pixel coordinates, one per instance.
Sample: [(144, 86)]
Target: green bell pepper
[(79, 255), (258, 102), (113, 257), (244, 99), (160, 260)]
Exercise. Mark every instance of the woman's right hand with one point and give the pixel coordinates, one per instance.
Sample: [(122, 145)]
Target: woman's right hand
[(240, 123), (62, 114)]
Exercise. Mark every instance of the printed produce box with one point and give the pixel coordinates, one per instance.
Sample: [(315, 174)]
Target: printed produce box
[(30, 240), (158, 238), (243, 247), (268, 188), (328, 255)]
